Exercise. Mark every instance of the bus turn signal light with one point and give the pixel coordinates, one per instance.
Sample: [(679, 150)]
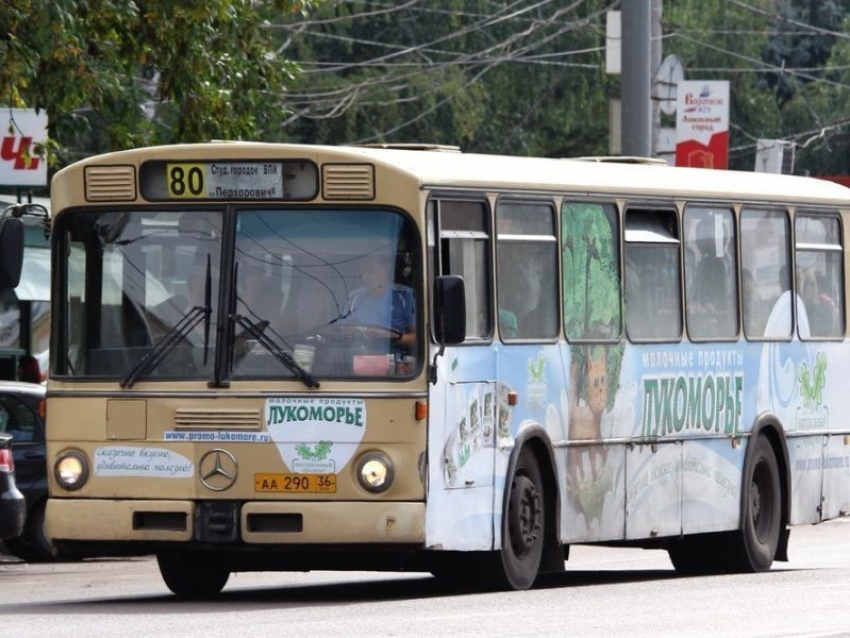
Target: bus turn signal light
[(421, 410)]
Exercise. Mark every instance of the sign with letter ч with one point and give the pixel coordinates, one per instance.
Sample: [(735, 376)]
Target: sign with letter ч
[(22, 130)]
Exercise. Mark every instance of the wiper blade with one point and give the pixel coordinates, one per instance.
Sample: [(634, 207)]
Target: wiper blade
[(167, 343), (207, 307), (269, 344)]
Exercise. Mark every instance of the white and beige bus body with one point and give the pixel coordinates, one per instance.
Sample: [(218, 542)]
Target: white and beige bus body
[(297, 357)]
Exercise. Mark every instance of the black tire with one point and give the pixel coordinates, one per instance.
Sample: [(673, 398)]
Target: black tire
[(701, 554), (751, 548), (755, 545), (517, 564), (34, 545), (192, 575)]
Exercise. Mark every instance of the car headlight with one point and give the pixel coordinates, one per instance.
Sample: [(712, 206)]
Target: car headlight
[(71, 469), (375, 472)]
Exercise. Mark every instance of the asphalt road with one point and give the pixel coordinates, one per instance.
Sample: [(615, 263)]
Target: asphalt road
[(604, 592)]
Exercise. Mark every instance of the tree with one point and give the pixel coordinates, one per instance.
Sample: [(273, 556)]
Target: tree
[(787, 63), (526, 77), (113, 74), (490, 77)]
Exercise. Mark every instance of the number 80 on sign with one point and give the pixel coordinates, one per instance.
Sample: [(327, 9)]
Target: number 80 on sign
[(186, 181)]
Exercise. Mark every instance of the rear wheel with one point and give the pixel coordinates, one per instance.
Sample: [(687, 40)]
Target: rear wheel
[(701, 554), (192, 574), (751, 548), (756, 543)]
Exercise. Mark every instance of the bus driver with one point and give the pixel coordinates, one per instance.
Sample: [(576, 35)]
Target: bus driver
[(379, 307)]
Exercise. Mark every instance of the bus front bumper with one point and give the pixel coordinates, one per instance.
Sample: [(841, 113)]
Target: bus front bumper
[(254, 522)]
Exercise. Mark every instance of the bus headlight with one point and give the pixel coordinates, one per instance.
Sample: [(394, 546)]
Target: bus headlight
[(71, 469), (375, 472)]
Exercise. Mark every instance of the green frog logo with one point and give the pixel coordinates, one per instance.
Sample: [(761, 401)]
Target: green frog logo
[(812, 383), (318, 453), (536, 389), (537, 369)]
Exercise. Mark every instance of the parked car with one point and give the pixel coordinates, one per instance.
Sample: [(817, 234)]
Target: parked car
[(12, 505), (22, 417)]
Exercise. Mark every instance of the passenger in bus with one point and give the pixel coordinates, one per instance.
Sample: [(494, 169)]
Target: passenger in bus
[(521, 313), (755, 314), (380, 308), (819, 307), (780, 320), (711, 290)]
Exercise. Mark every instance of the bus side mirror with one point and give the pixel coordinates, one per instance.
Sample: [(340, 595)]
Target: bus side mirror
[(11, 252), (449, 309)]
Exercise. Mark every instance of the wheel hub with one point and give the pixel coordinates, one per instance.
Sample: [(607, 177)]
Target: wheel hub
[(524, 515), (755, 502)]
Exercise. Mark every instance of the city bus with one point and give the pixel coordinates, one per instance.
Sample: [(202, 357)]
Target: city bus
[(293, 357)]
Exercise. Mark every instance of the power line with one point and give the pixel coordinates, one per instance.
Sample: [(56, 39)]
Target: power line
[(334, 102), (780, 18), (762, 63)]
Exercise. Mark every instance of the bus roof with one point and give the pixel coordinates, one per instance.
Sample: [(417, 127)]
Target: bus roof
[(454, 170)]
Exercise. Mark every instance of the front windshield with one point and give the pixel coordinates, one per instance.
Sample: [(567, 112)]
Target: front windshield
[(332, 288), (129, 280)]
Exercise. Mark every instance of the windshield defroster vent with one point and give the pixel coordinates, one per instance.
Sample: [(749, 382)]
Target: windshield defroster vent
[(110, 183), (348, 181), (218, 419)]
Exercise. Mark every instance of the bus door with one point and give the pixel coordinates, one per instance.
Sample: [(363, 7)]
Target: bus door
[(653, 301), (461, 431)]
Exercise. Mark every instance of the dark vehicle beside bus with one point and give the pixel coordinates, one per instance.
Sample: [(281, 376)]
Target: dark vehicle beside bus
[(22, 417), (12, 505)]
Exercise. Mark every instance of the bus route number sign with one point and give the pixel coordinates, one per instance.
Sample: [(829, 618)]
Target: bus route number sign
[(224, 180), (295, 483)]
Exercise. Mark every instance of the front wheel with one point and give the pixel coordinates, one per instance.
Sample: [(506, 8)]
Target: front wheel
[(192, 574), (517, 564)]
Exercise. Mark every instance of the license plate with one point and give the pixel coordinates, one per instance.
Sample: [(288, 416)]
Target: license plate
[(295, 483)]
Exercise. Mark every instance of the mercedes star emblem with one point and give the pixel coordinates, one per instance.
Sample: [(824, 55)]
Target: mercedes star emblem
[(218, 470)]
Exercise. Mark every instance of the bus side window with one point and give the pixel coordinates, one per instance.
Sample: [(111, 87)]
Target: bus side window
[(820, 284), (464, 249), (711, 280), (526, 271), (653, 299), (766, 273), (591, 271)]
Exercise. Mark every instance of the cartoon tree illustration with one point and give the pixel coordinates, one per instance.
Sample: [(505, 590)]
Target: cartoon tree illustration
[(591, 287)]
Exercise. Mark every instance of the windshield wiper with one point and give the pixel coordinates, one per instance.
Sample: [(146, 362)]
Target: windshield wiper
[(176, 334), (207, 309), (257, 332), (161, 349)]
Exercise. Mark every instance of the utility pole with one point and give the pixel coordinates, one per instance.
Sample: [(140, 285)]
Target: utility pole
[(655, 56), (636, 78)]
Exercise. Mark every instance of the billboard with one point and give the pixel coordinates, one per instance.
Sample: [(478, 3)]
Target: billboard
[(22, 130), (702, 124)]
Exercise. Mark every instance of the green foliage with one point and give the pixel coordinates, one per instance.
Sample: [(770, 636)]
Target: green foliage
[(113, 74), (489, 77), (493, 77), (456, 72), (788, 80)]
